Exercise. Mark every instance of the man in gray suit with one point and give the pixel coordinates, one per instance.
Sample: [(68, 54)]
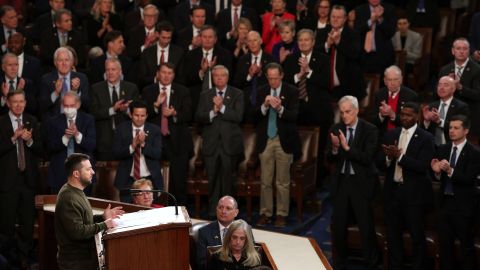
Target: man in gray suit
[(220, 111), (409, 41), (110, 100)]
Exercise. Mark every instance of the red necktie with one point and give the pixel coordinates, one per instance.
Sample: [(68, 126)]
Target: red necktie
[(235, 17), (332, 67), (164, 123), (136, 159), (162, 57)]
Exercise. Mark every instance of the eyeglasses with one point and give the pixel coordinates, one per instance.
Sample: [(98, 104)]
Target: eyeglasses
[(143, 193)]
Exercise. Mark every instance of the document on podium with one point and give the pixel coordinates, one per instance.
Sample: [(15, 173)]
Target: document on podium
[(147, 218)]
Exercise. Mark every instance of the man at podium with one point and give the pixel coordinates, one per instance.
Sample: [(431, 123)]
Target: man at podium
[(75, 224)]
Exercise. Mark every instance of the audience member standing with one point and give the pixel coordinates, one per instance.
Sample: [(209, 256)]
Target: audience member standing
[(278, 142), (70, 132), (270, 22), (455, 164), (110, 100), (407, 153), (170, 107), (352, 146), (466, 74), (220, 112), (375, 21), (21, 145)]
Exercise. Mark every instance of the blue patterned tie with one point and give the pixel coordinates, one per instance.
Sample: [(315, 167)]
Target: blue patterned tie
[(453, 161), (272, 120), (70, 145)]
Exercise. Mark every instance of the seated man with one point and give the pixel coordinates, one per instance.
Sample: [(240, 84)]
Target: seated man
[(143, 197), (213, 234)]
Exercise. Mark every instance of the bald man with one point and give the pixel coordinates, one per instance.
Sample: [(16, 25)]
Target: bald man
[(437, 114)]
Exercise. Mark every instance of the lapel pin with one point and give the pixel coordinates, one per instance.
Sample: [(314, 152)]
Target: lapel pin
[(215, 237), (123, 93), (282, 97), (227, 97), (467, 69), (416, 135)]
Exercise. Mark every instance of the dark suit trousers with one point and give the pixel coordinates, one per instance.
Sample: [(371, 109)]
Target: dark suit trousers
[(453, 224), (178, 165), (220, 167), (347, 199), (18, 207), (399, 216)]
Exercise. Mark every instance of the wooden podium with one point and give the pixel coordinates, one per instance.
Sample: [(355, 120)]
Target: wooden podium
[(164, 246)]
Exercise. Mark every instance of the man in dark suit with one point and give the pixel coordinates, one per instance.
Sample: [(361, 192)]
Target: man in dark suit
[(389, 101), (72, 131), (143, 35), (9, 25), (63, 34), (220, 111), (343, 47), (466, 74), (406, 156), (11, 81), (21, 144), (28, 65), (110, 100), (375, 22), (188, 38), (114, 48), (436, 115), (277, 142), (351, 146), (181, 18), (138, 146), (249, 75), (170, 107), (56, 83), (456, 166), (213, 233), (198, 64), (226, 19), (162, 52), (308, 69)]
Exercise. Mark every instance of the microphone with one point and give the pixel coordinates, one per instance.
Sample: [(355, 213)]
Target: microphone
[(130, 191)]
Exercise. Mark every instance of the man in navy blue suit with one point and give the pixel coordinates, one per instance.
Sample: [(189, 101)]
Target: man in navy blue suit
[(407, 153), (71, 132), (138, 146), (212, 234), (56, 83)]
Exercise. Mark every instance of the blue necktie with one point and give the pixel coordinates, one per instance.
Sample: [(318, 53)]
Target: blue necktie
[(70, 145), (453, 161), (272, 120)]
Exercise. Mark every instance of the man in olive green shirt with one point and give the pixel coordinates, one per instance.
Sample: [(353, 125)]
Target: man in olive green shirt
[(75, 224)]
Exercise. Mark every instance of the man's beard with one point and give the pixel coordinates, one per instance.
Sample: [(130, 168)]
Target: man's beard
[(85, 182)]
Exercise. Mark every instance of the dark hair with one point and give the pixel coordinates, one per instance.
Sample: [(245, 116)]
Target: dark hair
[(164, 26), (4, 9), (208, 27), (338, 7), (137, 104), (111, 36), (166, 64), (412, 105), (274, 65), (58, 14), (74, 162), (14, 93), (466, 123), (197, 7)]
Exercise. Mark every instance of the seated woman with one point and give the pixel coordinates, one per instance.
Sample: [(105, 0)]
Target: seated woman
[(237, 251), (144, 197)]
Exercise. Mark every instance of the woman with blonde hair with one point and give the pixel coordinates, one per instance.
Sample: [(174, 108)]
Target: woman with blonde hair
[(238, 250), (102, 20)]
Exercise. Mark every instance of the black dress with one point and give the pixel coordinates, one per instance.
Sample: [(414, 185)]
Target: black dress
[(217, 264)]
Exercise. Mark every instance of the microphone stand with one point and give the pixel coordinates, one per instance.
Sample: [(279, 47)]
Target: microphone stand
[(160, 192)]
